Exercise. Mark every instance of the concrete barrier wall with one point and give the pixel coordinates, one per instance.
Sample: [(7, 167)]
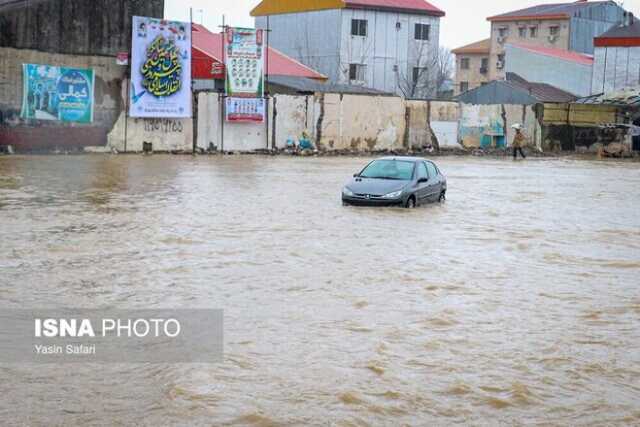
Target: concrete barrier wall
[(333, 121), (490, 125), (358, 122), (168, 135), (433, 118)]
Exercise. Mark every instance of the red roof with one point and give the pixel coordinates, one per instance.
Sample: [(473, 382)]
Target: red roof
[(567, 55), (207, 49), (419, 6)]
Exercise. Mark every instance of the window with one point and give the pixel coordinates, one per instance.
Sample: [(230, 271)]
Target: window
[(503, 31), (432, 170), (359, 27), (422, 31), (357, 72), (418, 74), (484, 68), (422, 171), (389, 169), (554, 31), (464, 63), (522, 31), (533, 32), (464, 86)]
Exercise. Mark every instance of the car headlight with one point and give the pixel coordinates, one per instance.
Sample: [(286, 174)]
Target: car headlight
[(393, 195), (347, 192)]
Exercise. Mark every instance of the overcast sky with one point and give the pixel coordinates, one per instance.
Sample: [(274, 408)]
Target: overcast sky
[(465, 21)]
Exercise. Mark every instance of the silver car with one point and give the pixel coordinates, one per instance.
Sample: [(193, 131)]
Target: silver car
[(396, 181)]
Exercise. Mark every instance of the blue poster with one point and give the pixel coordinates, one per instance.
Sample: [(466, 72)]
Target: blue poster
[(57, 93)]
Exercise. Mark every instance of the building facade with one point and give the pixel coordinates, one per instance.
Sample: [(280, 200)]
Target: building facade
[(566, 26), (472, 66), (388, 46), (564, 69), (617, 58)]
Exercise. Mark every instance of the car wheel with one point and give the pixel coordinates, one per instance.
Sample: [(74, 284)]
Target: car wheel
[(443, 197), (411, 203)]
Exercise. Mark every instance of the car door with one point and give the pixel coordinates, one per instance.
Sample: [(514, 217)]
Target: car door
[(434, 186), (422, 182)]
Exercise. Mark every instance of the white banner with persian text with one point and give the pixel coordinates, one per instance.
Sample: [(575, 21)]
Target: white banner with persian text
[(160, 69)]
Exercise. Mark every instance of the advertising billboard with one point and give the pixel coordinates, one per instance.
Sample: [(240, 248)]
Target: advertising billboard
[(57, 93), (244, 60), (160, 69)]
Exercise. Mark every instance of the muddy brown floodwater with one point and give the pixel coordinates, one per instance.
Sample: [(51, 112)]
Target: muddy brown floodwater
[(516, 302)]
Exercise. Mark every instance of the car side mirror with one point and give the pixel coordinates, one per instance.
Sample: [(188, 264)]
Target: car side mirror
[(356, 175)]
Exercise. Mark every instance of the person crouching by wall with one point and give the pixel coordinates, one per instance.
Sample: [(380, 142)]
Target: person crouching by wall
[(519, 141)]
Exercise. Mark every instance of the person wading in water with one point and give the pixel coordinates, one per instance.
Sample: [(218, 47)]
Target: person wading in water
[(518, 142)]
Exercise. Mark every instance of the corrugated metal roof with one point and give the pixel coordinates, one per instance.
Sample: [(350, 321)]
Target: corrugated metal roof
[(303, 85), (629, 97), (547, 11), (416, 6), (567, 55), (279, 63), (483, 46), (515, 90), (623, 31), (275, 7), (543, 92)]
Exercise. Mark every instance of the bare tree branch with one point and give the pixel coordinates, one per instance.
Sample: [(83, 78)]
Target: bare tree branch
[(426, 72)]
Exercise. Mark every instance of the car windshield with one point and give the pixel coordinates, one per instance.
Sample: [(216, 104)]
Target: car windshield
[(389, 169)]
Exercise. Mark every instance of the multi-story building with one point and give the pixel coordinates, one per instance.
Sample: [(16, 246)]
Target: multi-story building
[(472, 66), (565, 26), (390, 46), (617, 58)]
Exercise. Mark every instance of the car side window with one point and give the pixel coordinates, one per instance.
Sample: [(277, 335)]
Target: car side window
[(433, 172), (422, 171)]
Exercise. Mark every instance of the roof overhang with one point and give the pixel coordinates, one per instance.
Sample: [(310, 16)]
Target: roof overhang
[(436, 13), (558, 17), (616, 42), (280, 7)]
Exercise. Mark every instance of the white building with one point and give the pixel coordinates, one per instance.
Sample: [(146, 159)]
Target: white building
[(563, 69), (617, 57), (390, 46)]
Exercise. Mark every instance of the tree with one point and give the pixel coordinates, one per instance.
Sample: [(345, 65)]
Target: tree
[(426, 72)]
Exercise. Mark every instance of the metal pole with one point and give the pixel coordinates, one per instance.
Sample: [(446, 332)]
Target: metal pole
[(222, 98), (194, 96), (127, 108), (266, 84)]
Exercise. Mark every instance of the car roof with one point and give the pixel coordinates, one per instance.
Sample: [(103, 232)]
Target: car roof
[(404, 158)]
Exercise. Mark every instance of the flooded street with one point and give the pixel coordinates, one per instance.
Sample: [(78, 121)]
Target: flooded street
[(516, 302)]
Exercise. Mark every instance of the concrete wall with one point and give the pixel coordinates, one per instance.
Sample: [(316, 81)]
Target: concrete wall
[(429, 119), (570, 76), (361, 122), (237, 136), (490, 125), (38, 134), (334, 121), (81, 27), (615, 68), (167, 135)]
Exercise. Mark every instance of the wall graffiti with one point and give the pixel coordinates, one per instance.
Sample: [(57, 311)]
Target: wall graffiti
[(162, 125)]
